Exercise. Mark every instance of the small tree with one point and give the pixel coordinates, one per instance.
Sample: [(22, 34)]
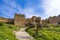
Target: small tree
[(38, 19), (1, 23)]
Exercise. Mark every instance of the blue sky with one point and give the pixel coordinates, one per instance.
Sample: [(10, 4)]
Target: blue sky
[(42, 8)]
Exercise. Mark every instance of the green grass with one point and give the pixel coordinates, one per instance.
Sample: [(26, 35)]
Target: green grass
[(6, 31), (51, 33)]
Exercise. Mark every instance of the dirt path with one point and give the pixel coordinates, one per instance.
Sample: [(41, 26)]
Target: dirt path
[(23, 35)]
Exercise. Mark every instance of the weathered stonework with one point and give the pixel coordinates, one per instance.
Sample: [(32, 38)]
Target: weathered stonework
[(3, 19), (6, 20), (19, 20), (53, 20), (32, 20)]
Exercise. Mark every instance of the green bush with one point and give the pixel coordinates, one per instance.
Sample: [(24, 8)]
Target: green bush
[(51, 33), (6, 31), (45, 25), (1, 24)]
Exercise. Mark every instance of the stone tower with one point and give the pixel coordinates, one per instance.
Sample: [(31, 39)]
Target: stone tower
[(19, 20), (33, 19)]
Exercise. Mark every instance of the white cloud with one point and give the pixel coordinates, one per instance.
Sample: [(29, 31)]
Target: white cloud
[(11, 6), (51, 7), (29, 12)]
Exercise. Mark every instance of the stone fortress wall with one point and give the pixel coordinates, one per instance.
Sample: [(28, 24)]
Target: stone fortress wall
[(53, 20), (19, 19)]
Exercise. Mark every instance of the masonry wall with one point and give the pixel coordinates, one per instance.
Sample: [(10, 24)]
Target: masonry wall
[(19, 20), (32, 20), (6, 20), (10, 21), (59, 19), (54, 20), (3, 19)]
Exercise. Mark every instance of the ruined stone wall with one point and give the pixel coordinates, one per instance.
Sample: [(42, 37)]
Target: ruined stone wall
[(3, 19), (54, 19), (6, 20), (10, 21), (19, 20), (59, 19), (28, 21), (32, 20)]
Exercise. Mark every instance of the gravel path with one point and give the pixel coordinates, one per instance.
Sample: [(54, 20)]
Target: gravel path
[(23, 35)]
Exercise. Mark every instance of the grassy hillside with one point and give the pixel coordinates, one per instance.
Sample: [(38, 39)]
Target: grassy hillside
[(46, 33), (6, 31)]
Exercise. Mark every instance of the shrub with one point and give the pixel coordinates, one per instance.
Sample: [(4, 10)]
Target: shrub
[(1, 24), (45, 25), (57, 25), (53, 33), (6, 31)]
